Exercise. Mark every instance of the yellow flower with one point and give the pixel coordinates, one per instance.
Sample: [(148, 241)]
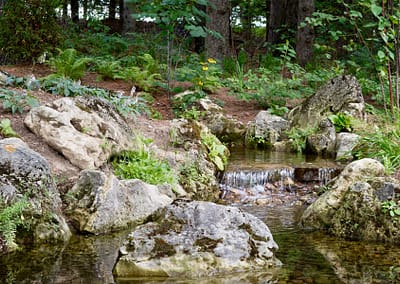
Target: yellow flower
[(211, 60), (200, 83), (203, 63), (205, 68)]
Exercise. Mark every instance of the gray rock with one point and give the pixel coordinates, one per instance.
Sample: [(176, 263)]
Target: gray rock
[(266, 127), (195, 239), (345, 143), (100, 203), (323, 142), (226, 128), (85, 130), (341, 94), (352, 207), (26, 174)]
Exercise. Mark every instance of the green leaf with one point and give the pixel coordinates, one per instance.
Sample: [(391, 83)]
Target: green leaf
[(376, 10), (196, 31)]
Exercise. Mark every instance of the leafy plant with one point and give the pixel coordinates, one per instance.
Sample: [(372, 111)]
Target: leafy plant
[(108, 69), (6, 129), (68, 64), (28, 29), (391, 207), (11, 217), (298, 138), (380, 145), (16, 102), (342, 122), (182, 102), (192, 113), (141, 165), (217, 152)]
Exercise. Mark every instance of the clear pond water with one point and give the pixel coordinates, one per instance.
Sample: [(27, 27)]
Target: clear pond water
[(308, 257)]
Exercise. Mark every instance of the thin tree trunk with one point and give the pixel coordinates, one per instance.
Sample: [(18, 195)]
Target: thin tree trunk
[(304, 35), (219, 12), (112, 9), (75, 11)]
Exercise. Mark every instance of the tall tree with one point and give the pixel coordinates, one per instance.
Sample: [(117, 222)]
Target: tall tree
[(305, 33), (219, 13), (75, 10)]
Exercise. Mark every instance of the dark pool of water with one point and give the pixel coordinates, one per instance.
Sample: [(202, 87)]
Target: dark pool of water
[(307, 257)]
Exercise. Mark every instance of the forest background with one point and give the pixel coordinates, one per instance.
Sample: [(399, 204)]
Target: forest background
[(268, 52)]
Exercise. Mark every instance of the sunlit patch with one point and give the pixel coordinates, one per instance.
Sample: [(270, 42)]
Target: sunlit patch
[(10, 148)]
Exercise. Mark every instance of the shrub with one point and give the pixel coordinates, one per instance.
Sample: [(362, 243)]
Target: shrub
[(28, 29), (16, 102)]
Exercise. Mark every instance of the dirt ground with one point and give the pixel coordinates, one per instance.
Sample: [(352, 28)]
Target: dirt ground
[(242, 110)]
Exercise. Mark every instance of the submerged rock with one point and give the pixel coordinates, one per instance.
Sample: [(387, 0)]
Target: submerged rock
[(100, 203), (352, 206), (195, 239), (26, 175)]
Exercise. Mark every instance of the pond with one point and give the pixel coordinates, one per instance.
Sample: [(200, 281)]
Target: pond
[(307, 257)]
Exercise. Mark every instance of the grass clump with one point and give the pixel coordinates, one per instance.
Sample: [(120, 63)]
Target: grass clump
[(142, 165)]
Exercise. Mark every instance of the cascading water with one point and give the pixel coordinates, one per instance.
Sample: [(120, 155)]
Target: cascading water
[(254, 180), (273, 177)]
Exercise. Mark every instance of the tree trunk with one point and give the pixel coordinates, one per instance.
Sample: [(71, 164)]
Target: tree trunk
[(276, 19), (112, 9), (305, 35), (75, 11), (219, 12), (126, 10), (283, 15)]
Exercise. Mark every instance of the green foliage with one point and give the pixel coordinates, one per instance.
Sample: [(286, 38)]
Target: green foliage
[(384, 146), (391, 207), (108, 69), (28, 29), (11, 217), (342, 122), (142, 165), (298, 138), (125, 105), (16, 102), (182, 102), (68, 64), (216, 150), (6, 129), (143, 76), (192, 113)]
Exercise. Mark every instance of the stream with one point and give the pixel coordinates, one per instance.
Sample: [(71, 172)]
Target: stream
[(307, 257)]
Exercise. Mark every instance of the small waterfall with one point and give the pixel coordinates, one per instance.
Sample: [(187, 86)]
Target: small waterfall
[(254, 180), (325, 175)]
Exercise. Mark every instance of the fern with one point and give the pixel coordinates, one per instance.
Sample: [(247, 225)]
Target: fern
[(68, 64)]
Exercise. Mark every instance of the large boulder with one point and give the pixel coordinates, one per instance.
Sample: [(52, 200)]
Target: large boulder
[(266, 129), (99, 203), (26, 175), (339, 95), (86, 130), (195, 239), (352, 206)]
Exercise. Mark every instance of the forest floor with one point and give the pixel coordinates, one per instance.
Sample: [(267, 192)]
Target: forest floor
[(242, 110)]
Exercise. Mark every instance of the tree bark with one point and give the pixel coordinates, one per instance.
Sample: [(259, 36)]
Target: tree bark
[(305, 35), (283, 15), (112, 9), (219, 12), (75, 11)]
